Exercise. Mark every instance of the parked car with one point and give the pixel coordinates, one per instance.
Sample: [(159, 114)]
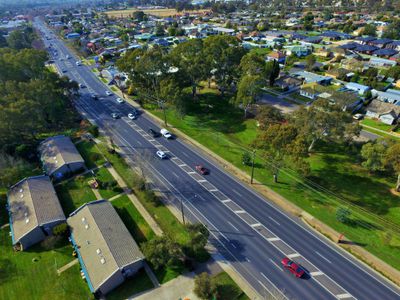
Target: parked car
[(120, 100), (165, 133), (153, 133), (115, 115), (202, 170), (132, 116), (293, 267), (161, 154), (358, 116), (108, 93)]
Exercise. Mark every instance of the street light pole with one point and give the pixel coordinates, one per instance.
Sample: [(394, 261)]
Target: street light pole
[(252, 167), (165, 114), (183, 214)]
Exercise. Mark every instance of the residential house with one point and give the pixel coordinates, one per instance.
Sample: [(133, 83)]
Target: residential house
[(390, 96), (288, 82), (380, 42), (276, 55), (359, 88), (381, 62), (309, 77), (385, 52), (60, 157), (34, 210), (387, 113), (299, 51), (106, 250)]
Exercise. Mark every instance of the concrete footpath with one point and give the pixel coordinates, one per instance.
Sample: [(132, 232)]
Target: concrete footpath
[(149, 219), (178, 288)]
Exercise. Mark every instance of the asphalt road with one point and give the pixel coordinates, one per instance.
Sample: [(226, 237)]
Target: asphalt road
[(252, 234)]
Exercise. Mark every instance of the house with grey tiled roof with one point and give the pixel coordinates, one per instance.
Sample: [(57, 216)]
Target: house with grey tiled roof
[(106, 250), (34, 210), (60, 157)]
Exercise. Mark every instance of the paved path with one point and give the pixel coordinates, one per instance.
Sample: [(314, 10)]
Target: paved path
[(116, 196), (178, 288), (149, 219), (151, 275), (396, 135), (67, 266)]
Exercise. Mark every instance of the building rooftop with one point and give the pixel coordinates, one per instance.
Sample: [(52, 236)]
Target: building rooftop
[(32, 202), (57, 151), (104, 243)]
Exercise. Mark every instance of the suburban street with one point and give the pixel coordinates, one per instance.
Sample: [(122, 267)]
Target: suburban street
[(251, 233)]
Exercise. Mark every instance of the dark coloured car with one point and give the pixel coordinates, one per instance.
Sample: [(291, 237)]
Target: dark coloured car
[(154, 133), (94, 96), (293, 267), (202, 170), (115, 115)]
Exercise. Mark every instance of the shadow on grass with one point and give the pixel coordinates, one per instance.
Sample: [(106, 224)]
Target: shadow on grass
[(131, 225)]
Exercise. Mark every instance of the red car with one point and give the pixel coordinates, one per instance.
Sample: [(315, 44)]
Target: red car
[(293, 267), (202, 170)]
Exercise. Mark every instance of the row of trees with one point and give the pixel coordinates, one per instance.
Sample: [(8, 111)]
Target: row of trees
[(219, 59), (288, 142), (382, 155), (33, 102)]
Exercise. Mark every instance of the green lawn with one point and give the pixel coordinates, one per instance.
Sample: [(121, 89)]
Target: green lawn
[(134, 285), (22, 277), (223, 130), (103, 176), (133, 220), (74, 193), (227, 289), (90, 154), (376, 124)]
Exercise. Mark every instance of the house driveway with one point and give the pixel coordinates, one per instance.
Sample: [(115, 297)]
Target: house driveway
[(281, 104)]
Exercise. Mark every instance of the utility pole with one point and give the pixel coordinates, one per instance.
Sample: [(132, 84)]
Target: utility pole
[(252, 166), (183, 214)]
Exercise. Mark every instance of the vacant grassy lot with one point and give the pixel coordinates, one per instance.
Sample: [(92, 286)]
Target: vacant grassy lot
[(133, 220), (32, 274), (163, 12), (337, 179), (376, 124), (90, 154), (74, 193)]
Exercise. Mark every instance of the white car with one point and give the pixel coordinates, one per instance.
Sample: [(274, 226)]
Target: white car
[(132, 116), (108, 93), (161, 154), (120, 100), (67, 56), (78, 63), (165, 133), (358, 116)]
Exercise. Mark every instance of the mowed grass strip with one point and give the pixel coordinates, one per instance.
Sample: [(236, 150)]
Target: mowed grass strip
[(32, 274), (214, 123)]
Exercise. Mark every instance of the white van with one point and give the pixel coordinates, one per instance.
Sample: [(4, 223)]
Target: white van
[(165, 133)]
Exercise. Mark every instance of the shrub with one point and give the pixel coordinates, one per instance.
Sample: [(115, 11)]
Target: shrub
[(246, 159), (94, 130), (94, 156), (152, 198), (60, 229), (204, 287)]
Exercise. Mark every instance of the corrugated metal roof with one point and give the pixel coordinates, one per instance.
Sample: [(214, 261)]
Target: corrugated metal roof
[(104, 242), (33, 202), (57, 151)]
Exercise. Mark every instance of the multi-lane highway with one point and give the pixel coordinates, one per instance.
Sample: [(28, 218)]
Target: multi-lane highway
[(252, 234)]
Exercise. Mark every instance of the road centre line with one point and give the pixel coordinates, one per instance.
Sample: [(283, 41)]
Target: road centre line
[(233, 226), (275, 264), (273, 220), (328, 277), (323, 257)]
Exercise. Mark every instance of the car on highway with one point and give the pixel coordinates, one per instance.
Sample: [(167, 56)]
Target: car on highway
[(108, 93), (120, 100), (115, 115), (153, 133), (78, 63), (132, 116), (64, 71), (61, 59), (94, 97), (293, 267), (67, 56), (165, 133), (202, 170), (81, 86), (161, 154)]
